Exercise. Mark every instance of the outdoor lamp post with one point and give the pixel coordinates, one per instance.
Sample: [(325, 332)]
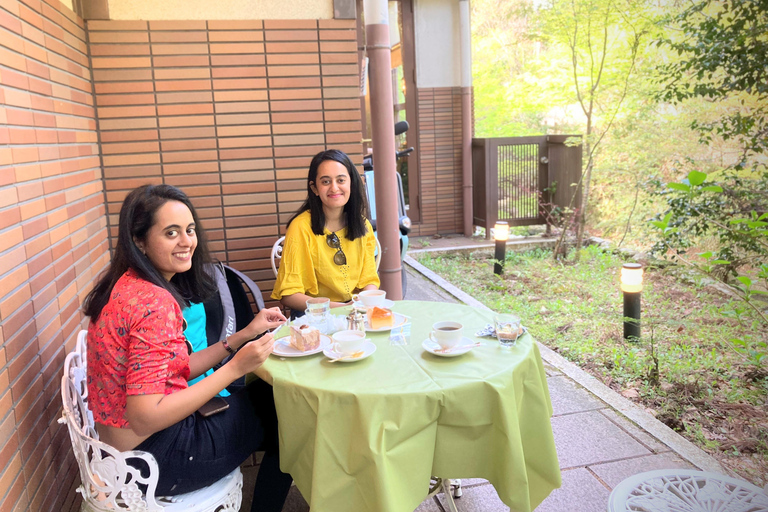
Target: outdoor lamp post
[(501, 235), (632, 287)]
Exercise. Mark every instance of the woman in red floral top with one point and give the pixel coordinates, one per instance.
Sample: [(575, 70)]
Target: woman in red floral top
[(139, 361)]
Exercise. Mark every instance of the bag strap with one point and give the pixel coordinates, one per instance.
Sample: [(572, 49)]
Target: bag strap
[(253, 287), (228, 324)]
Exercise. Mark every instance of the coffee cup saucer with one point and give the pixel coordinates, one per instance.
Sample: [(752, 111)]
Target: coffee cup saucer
[(386, 304), (464, 346), (368, 349)]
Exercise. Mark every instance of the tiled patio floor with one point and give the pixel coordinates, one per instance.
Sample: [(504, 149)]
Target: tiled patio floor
[(597, 445)]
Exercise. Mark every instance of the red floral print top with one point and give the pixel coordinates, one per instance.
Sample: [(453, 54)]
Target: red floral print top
[(135, 347)]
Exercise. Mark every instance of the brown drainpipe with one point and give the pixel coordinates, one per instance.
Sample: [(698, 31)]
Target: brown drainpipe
[(466, 115), (383, 128)]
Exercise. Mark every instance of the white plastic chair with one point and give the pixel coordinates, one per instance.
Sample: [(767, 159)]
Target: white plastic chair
[(108, 482), (277, 254)]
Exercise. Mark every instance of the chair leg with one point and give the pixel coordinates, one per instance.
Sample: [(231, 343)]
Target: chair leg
[(449, 495), (457, 493)]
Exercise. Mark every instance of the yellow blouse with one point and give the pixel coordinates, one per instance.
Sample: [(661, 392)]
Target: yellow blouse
[(307, 264)]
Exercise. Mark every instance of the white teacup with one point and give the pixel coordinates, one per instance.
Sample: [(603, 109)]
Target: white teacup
[(446, 334), (371, 298), (348, 342)]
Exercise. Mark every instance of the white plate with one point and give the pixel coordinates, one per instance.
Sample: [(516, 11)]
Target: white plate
[(283, 347), (387, 304), (368, 348), (463, 347), (399, 320)]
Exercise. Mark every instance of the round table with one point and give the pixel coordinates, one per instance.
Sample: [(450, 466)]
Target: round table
[(367, 435)]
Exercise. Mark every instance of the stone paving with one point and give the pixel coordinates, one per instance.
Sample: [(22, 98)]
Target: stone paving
[(597, 445)]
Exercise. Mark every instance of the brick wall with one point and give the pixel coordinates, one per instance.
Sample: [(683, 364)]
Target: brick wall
[(53, 232), (440, 161), (230, 111)]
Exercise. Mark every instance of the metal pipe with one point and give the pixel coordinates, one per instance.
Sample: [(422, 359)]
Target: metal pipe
[(500, 255), (466, 115), (383, 135)]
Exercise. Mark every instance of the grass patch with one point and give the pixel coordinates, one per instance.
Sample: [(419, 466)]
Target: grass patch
[(684, 369)]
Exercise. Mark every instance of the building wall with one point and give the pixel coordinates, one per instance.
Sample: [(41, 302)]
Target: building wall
[(53, 229), (230, 111), (440, 161), (219, 9), (438, 89)]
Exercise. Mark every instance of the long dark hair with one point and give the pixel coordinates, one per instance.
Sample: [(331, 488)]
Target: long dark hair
[(355, 207), (137, 216)]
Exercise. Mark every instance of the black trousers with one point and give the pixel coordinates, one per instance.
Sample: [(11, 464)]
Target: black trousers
[(198, 451)]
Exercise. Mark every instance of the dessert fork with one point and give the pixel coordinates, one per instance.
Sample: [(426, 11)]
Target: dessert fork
[(353, 355)]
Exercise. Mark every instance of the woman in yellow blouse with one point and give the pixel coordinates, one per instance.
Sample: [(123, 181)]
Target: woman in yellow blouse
[(329, 245)]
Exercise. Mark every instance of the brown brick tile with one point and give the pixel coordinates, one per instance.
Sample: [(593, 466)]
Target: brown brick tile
[(288, 106), (132, 111), (251, 118), (118, 37), (343, 92), (195, 179), (112, 50), (342, 81), (297, 117), (339, 35), (189, 156), (242, 130), (178, 25), (241, 107), (188, 144), (291, 140), (145, 158), (342, 104), (182, 85), (178, 37), (239, 83), (187, 133), (244, 142), (295, 94), (290, 35), (179, 49), (239, 72), (235, 25), (182, 73), (115, 25), (191, 168), (226, 96), (182, 121), (247, 177), (336, 24), (186, 109), (236, 36), (253, 59), (184, 97), (282, 47), (121, 62), (228, 48), (104, 100), (119, 75), (240, 165), (289, 24), (242, 154), (130, 147), (186, 61), (308, 151), (123, 87)]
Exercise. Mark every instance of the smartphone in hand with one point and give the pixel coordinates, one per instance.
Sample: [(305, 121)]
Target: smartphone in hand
[(213, 406)]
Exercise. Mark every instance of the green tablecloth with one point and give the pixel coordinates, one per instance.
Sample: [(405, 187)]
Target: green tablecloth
[(367, 435)]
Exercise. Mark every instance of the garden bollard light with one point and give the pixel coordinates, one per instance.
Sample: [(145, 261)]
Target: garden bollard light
[(632, 287), (500, 235)]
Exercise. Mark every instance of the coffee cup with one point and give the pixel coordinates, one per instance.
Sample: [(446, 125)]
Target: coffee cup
[(348, 342), (446, 334), (371, 298)]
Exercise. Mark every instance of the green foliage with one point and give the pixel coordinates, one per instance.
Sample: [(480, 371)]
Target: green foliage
[(723, 48)]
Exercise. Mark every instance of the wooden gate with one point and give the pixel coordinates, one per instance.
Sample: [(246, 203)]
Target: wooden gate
[(520, 179)]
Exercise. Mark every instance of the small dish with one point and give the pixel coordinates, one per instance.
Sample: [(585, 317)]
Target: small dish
[(387, 304), (283, 347), (368, 349), (463, 347), (398, 321)]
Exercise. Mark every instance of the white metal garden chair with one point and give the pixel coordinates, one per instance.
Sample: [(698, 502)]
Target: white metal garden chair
[(108, 482), (277, 254)]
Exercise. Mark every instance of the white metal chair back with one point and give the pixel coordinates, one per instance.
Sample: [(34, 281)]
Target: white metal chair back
[(109, 482), (277, 254)]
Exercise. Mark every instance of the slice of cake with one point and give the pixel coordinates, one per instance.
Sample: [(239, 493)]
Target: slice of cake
[(379, 318), (305, 337)]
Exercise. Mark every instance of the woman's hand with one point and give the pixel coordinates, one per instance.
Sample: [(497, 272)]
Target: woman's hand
[(253, 354), (267, 318)]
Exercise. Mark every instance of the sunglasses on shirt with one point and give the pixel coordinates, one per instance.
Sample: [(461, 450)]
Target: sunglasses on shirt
[(333, 242)]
